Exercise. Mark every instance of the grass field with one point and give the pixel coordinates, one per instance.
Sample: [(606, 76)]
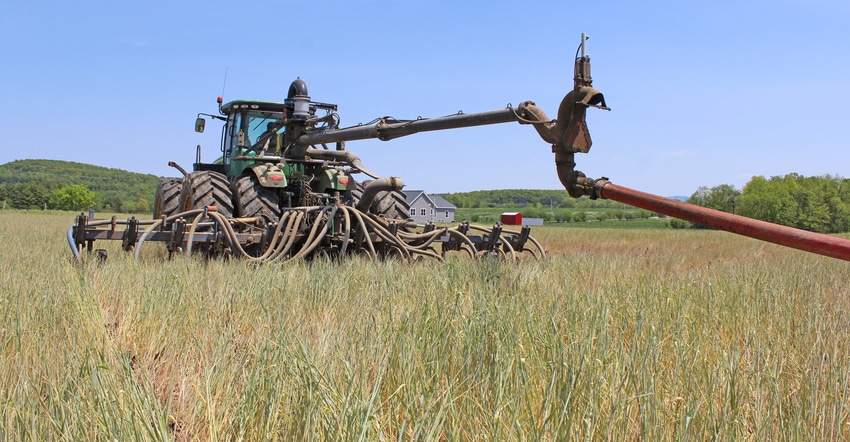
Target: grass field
[(644, 334)]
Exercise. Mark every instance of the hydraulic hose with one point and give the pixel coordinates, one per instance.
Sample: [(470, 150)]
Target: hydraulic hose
[(73, 245), (290, 241), (504, 240), (366, 238), (347, 222), (315, 236), (382, 232), (156, 225)]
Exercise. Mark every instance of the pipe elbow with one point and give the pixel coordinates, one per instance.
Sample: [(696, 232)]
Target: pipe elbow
[(388, 184), (576, 182), (530, 113), (569, 177), (297, 88)]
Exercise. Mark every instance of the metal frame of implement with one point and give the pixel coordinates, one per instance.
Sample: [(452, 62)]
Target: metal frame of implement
[(332, 230)]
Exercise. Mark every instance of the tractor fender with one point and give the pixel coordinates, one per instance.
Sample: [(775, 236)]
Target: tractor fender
[(268, 174), (334, 179)]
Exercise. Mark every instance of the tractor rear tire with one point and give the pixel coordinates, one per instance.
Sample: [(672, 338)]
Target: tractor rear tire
[(354, 195), (166, 201), (390, 205), (253, 200), (204, 188)]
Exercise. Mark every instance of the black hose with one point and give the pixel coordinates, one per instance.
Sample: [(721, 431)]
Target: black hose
[(289, 243)]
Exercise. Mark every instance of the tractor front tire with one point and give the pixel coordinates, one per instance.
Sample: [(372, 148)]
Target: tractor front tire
[(253, 200), (204, 188), (166, 201)]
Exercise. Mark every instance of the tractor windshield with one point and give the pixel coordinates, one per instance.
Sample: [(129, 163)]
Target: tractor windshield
[(262, 126), (259, 131)]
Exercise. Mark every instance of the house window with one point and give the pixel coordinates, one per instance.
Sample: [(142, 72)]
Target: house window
[(412, 212), (422, 212), (447, 213), (432, 212)]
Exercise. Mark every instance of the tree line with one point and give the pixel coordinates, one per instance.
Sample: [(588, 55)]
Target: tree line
[(525, 198), (65, 185), (818, 204)]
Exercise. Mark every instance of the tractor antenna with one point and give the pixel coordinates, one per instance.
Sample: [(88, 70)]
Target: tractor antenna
[(225, 81)]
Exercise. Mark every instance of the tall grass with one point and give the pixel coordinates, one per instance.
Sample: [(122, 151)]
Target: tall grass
[(636, 335)]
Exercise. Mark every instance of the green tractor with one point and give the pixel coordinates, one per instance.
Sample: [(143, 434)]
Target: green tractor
[(263, 170)]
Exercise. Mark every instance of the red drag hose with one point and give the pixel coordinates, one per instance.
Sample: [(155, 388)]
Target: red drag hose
[(787, 236)]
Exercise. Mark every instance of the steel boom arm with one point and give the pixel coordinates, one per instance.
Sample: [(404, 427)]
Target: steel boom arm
[(387, 129)]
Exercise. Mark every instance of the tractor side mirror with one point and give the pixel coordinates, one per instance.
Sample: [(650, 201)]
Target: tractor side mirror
[(200, 123)]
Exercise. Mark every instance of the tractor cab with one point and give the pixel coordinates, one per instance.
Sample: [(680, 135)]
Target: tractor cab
[(264, 132), (254, 133), (261, 158)]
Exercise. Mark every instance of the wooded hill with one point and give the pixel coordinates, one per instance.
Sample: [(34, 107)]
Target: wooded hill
[(27, 184)]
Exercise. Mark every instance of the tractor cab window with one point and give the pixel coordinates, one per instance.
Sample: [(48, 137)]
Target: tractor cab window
[(259, 130), (260, 127)]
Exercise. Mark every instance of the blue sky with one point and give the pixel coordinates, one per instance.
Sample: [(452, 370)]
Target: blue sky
[(703, 93)]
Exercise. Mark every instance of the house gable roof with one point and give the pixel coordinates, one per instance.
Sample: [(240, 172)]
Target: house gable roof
[(442, 203), (435, 200), (412, 195)]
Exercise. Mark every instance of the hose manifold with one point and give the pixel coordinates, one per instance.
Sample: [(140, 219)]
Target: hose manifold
[(583, 185), (590, 187)]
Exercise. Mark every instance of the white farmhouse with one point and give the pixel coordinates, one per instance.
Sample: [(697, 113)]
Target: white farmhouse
[(434, 208)]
